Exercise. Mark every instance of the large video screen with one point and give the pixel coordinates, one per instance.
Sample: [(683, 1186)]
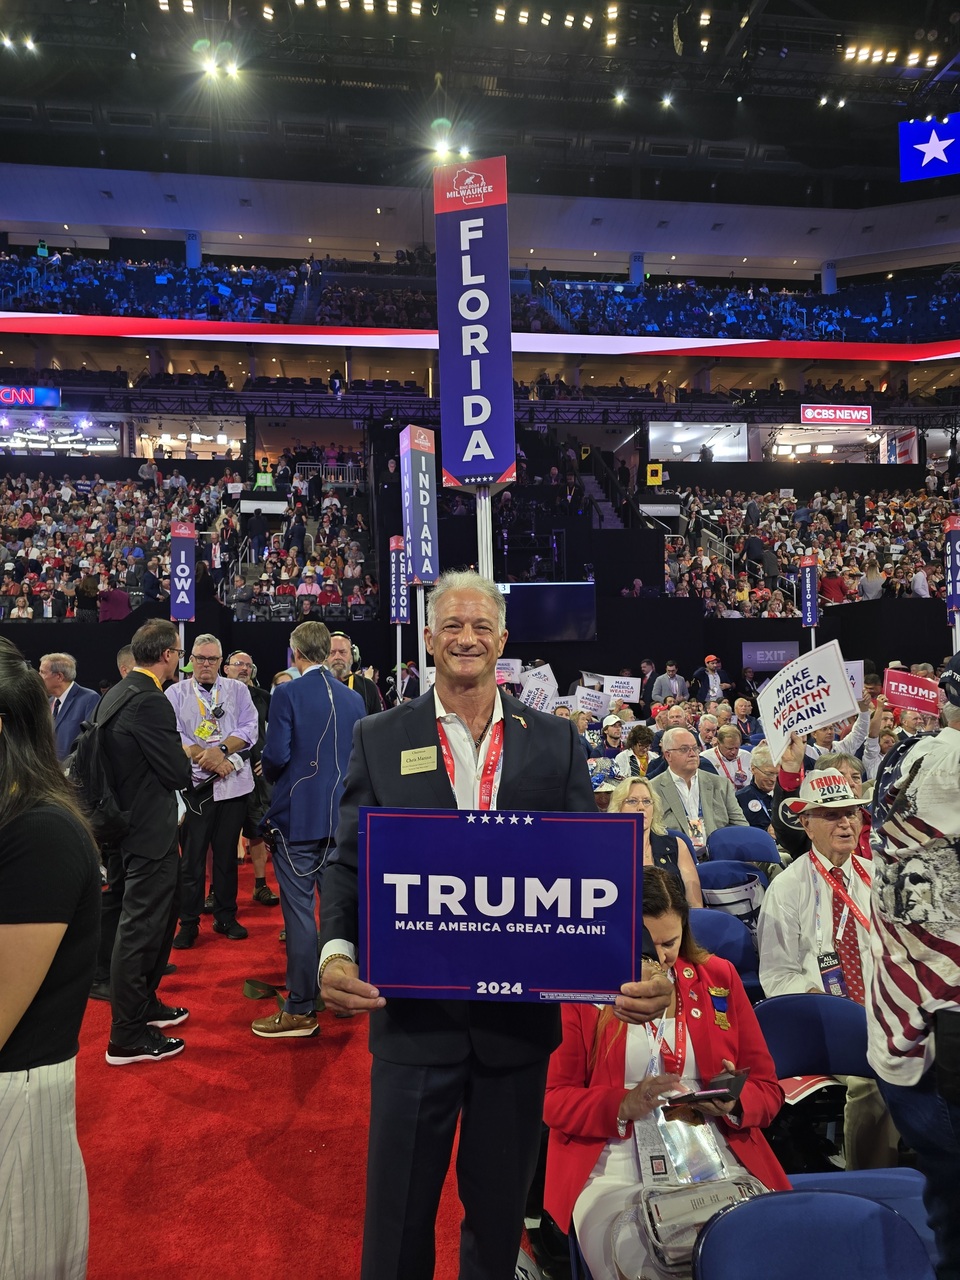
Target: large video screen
[(538, 612)]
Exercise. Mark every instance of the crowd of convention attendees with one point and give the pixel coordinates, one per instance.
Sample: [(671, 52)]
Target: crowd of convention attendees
[(89, 549), (898, 311), (741, 551), (69, 285), (366, 307), (905, 310)]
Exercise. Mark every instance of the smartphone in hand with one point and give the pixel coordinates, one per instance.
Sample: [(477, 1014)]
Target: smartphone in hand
[(725, 1087)]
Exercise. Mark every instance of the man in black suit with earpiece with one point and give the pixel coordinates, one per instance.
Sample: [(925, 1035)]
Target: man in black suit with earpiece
[(438, 1062)]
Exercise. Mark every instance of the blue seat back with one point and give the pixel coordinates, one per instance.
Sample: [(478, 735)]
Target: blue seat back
[(899, 1189), (795, 1235), (725, 936), (814, 1034), (742, 844)]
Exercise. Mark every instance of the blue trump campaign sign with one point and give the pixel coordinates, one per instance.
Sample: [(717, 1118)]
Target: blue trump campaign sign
[(929, 148), (499, 905)]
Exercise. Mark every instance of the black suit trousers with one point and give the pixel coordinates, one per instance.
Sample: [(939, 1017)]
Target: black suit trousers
[(413, 1120), (142, 947), (218, 826)]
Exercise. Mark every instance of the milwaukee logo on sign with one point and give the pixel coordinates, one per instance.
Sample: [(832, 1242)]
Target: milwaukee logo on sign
[(858, 415), (479, 185)]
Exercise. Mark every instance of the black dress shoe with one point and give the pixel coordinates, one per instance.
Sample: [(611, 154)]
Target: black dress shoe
[(168, 969), (230, 929), (208, 904), (186, 937), (154, 1046), (100, 991)]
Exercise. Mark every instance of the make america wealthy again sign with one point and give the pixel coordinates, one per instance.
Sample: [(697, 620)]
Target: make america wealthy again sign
[(473, 321), (497, 905)]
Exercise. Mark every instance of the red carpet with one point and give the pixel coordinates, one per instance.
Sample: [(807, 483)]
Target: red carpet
[(240, 1158)]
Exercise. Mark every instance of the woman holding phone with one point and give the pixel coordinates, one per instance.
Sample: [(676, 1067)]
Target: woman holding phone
[(610, 1133)]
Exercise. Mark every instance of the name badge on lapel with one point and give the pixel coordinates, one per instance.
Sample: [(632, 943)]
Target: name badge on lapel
[(418, 760)]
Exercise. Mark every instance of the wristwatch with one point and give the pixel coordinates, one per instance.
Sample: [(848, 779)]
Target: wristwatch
[(223, 748)]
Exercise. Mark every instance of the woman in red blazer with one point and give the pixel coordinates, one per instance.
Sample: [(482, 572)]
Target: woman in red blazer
[(592, 1100)]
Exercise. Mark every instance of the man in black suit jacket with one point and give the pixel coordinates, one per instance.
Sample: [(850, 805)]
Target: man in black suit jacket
[(435, 1062), (648, 678), (149, 765)]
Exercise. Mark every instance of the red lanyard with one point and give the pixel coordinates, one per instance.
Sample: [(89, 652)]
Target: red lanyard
[(723, 764), (491, 765), (841, 891), (674, 1059)]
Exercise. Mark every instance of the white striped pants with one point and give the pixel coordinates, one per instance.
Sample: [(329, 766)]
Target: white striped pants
[(44, 1213)]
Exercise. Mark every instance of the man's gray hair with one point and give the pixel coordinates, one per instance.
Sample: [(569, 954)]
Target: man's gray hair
[(709, 719), (61, 664), (312, 641), (950, 713), (760, 758), (466, 580), (669, 739), (207, 638)]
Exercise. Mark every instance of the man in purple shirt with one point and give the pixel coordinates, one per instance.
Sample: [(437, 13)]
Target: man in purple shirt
[(218, 725)]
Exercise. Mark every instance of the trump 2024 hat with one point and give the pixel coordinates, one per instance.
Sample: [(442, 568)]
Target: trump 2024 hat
[(823, 791)]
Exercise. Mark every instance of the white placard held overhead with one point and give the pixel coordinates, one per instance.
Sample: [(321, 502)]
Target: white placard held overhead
[(811, 691), (569, 703), (855, 673), (539, 688), (592, 700), (592, 680), (508, 670), (626, 688)]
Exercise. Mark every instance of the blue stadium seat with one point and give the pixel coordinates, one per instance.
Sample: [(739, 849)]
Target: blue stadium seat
[(742, 844), (810, 1035), (728, 937), (899, 1189), (794, 1235)]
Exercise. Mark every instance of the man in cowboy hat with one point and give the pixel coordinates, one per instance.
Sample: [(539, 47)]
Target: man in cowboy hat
[(814, 936)]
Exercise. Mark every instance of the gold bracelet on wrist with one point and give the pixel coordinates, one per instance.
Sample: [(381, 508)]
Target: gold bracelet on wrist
[(337, 955)]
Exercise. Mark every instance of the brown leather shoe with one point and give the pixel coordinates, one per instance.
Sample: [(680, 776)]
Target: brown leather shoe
[(286, 1026)]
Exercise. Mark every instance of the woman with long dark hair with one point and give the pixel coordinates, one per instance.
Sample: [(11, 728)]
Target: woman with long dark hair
[(49, 932), (610, 1138)]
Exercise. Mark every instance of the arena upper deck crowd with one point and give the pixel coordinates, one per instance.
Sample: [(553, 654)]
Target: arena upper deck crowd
[(870, 546), (902, 310)]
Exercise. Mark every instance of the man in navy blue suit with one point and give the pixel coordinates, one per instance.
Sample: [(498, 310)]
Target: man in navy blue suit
[(70, 703), (309, 736)]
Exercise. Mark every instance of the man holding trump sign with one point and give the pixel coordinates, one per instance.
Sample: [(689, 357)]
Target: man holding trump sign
[(464, 745)]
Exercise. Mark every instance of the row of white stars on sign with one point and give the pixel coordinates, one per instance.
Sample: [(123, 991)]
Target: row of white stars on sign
[(478, 479), (500, 819)]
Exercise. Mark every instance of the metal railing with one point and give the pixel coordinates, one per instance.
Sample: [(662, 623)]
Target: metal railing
[(346, 474)]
